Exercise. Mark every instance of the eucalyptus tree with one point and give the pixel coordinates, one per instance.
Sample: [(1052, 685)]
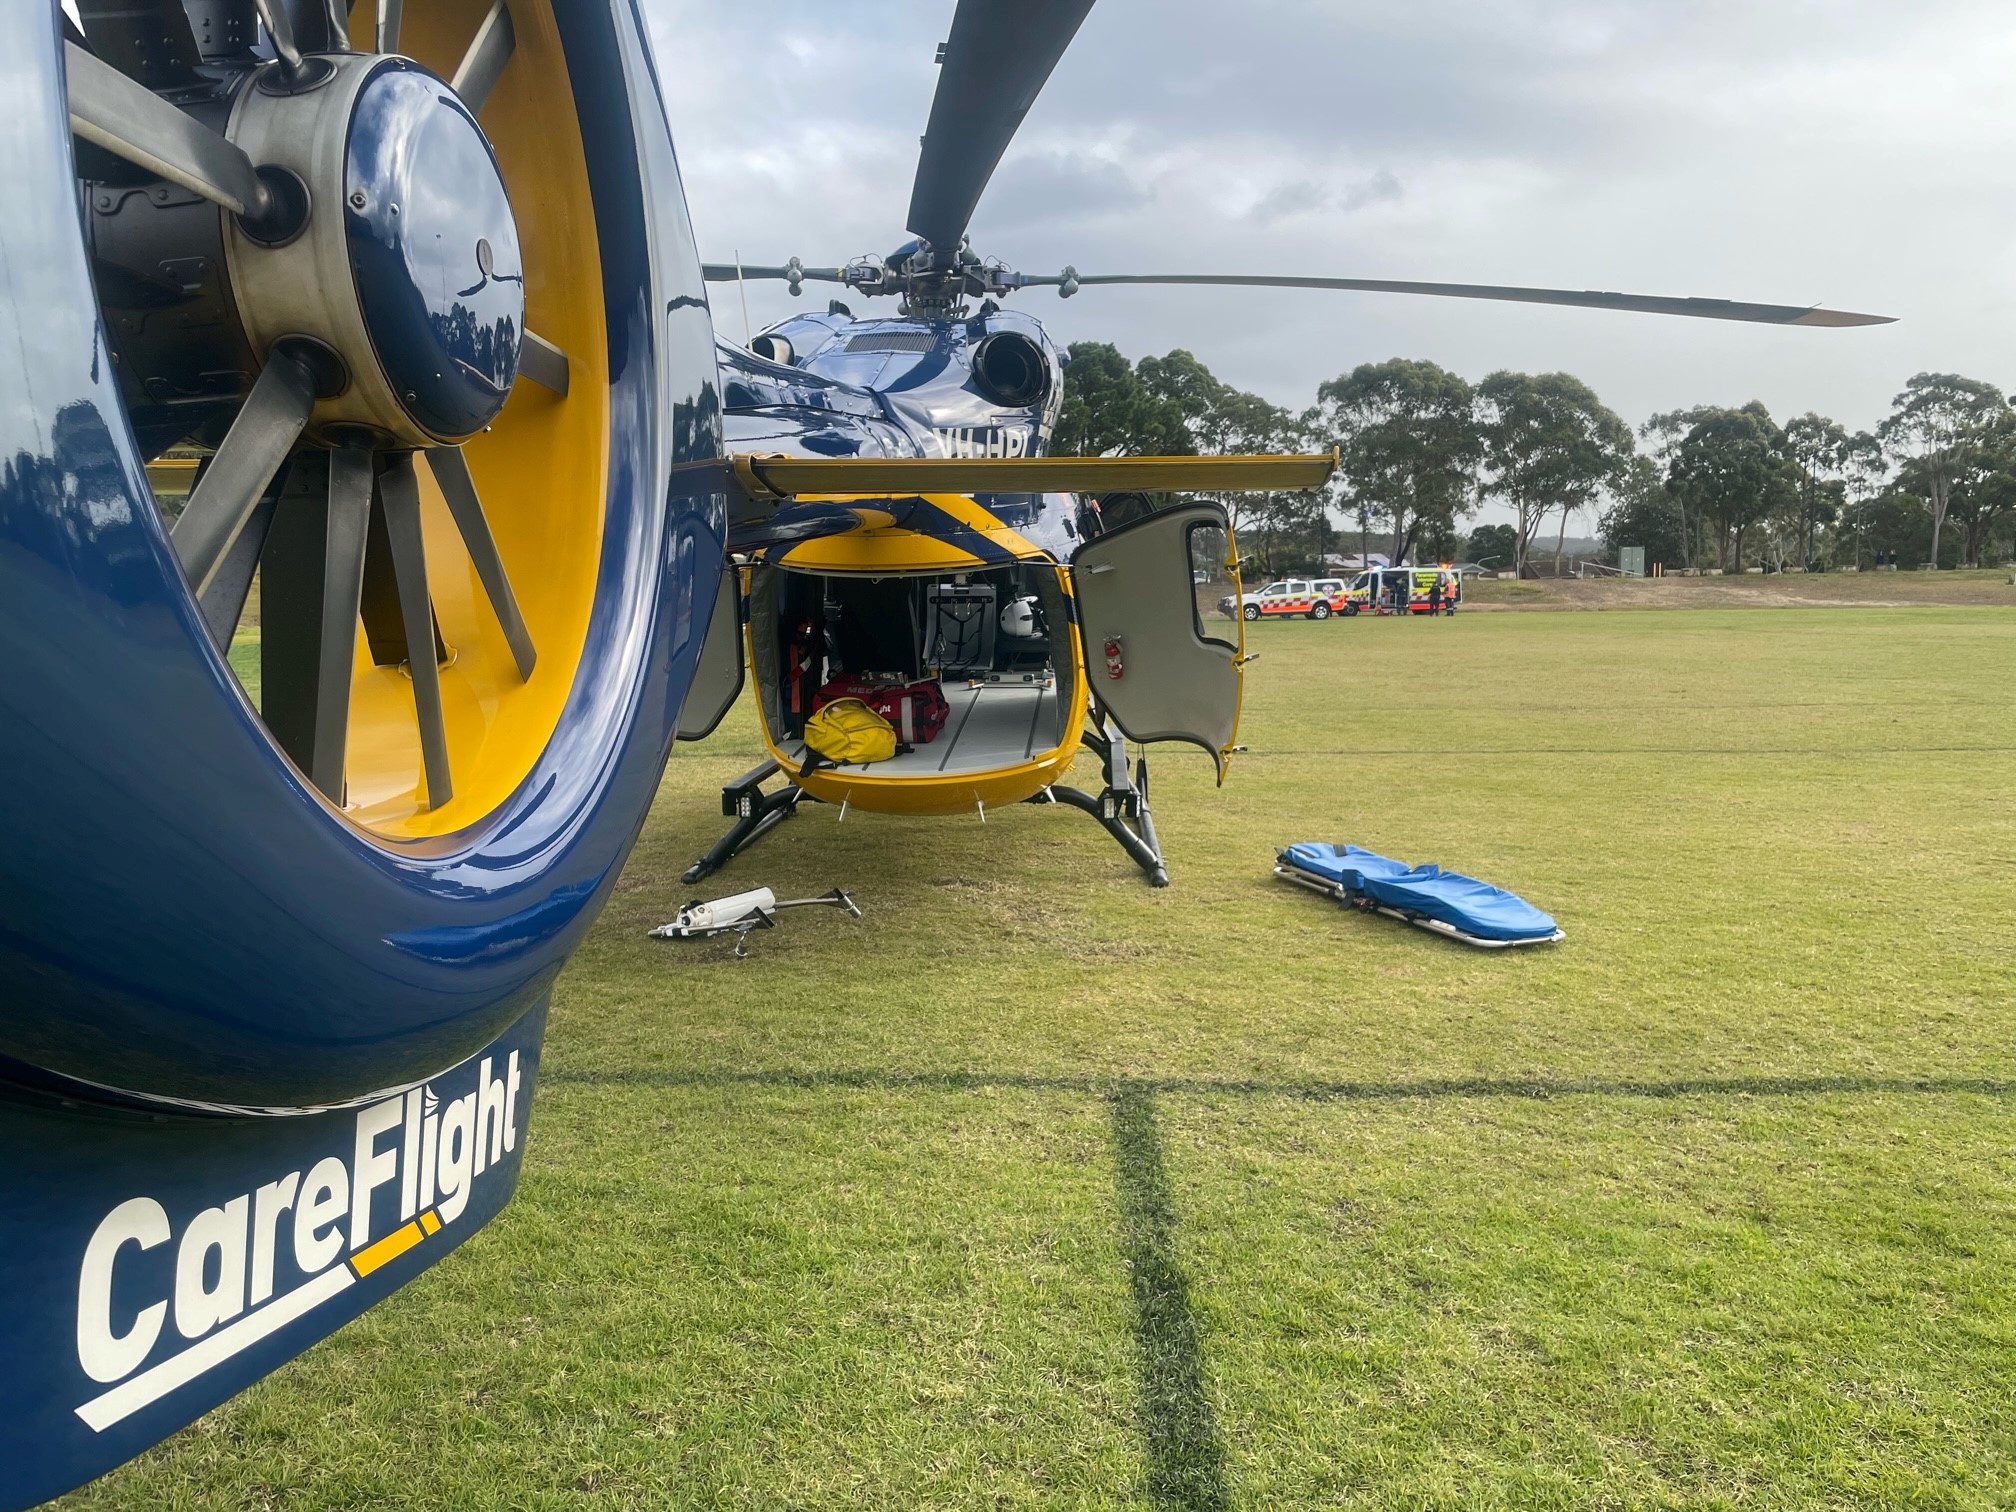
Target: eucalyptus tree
[(1107, 411), (1409, 442), (1665, 431), (1730, 470), (1934, 426), (1490, 546), (1984, 486), (1245, 423), (1645, 512), (1820, 450), (1550, 444)]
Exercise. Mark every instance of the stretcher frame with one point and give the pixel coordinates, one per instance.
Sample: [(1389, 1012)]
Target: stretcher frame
[(1289, 872)]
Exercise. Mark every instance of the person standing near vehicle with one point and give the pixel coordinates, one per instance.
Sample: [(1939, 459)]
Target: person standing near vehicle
[(1435, 597), (1397, 581)]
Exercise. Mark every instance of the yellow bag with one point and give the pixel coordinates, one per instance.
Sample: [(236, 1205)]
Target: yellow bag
[(849, 733)]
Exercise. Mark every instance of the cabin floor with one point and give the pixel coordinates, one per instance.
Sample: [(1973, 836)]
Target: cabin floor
[(991, 725)]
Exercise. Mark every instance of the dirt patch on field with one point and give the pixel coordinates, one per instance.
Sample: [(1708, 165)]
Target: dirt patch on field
[(1829, 590)]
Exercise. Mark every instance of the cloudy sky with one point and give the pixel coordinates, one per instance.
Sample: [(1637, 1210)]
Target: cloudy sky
[(1857, 153)]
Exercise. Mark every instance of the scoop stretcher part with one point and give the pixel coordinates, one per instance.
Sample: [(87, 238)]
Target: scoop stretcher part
[(740, 913)]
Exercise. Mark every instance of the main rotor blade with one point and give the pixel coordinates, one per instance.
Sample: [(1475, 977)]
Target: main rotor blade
[(1587, 299), (399, 494), (996, 62), (451, 471), (132, 122), (489, 50), (253, 449)]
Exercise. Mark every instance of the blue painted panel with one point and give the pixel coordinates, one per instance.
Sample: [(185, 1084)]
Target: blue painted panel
[(156, 1266), (182, 917), (180, 912)]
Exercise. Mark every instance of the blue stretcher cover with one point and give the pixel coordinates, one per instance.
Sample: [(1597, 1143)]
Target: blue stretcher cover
[(1346, 865), (1464, 903)]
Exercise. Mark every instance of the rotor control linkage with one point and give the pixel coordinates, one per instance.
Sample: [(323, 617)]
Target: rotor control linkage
[(742, 913)]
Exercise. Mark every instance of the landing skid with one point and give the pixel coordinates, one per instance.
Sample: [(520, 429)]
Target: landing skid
[(1121, 809), (1119, 802), (755, 813)]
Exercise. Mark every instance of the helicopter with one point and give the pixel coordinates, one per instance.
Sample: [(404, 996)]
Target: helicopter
[(312, 785), (415, 281), (1003, 599)]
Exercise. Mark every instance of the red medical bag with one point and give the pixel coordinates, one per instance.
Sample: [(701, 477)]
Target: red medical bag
[(917, 709)]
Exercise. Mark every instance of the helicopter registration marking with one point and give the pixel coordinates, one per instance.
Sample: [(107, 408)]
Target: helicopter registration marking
[(982, 441)]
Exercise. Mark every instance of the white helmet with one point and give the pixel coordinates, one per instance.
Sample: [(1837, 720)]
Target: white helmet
[(1018, 619)]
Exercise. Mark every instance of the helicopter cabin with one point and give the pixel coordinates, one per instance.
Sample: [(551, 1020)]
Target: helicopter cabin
[(994, 661), (999, 644)]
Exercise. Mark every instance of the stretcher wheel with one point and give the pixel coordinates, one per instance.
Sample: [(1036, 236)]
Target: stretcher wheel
[(425, 316)]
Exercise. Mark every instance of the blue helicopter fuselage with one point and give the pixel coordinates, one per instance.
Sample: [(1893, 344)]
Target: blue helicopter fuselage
[(827, 384)]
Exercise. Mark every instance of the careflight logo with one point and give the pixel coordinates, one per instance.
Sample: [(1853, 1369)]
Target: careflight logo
[(252, 1264)]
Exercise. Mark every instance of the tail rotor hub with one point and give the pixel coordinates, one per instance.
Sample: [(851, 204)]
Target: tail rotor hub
[(405, 277)]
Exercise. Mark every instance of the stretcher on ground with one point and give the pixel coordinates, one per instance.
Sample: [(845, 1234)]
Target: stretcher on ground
[(1445, 903)]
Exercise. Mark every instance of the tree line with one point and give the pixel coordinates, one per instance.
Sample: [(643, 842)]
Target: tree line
[(1423, 450)]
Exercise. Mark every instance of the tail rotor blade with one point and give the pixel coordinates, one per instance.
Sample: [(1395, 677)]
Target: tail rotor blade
[(543, 362), (399, 495), (311, 579), (483, 64), (132, 122), (345, 531), (280, 31), (451, 471), (253, 449)]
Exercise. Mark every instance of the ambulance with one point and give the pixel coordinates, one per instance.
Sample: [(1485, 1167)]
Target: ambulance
[(1372, 592)]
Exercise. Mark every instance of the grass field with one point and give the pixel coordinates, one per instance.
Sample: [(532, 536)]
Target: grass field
[(1035, 1187), (1831, 590)]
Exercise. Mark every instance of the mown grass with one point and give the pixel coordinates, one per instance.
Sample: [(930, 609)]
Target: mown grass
[(1035, 1187), (244, 660)]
